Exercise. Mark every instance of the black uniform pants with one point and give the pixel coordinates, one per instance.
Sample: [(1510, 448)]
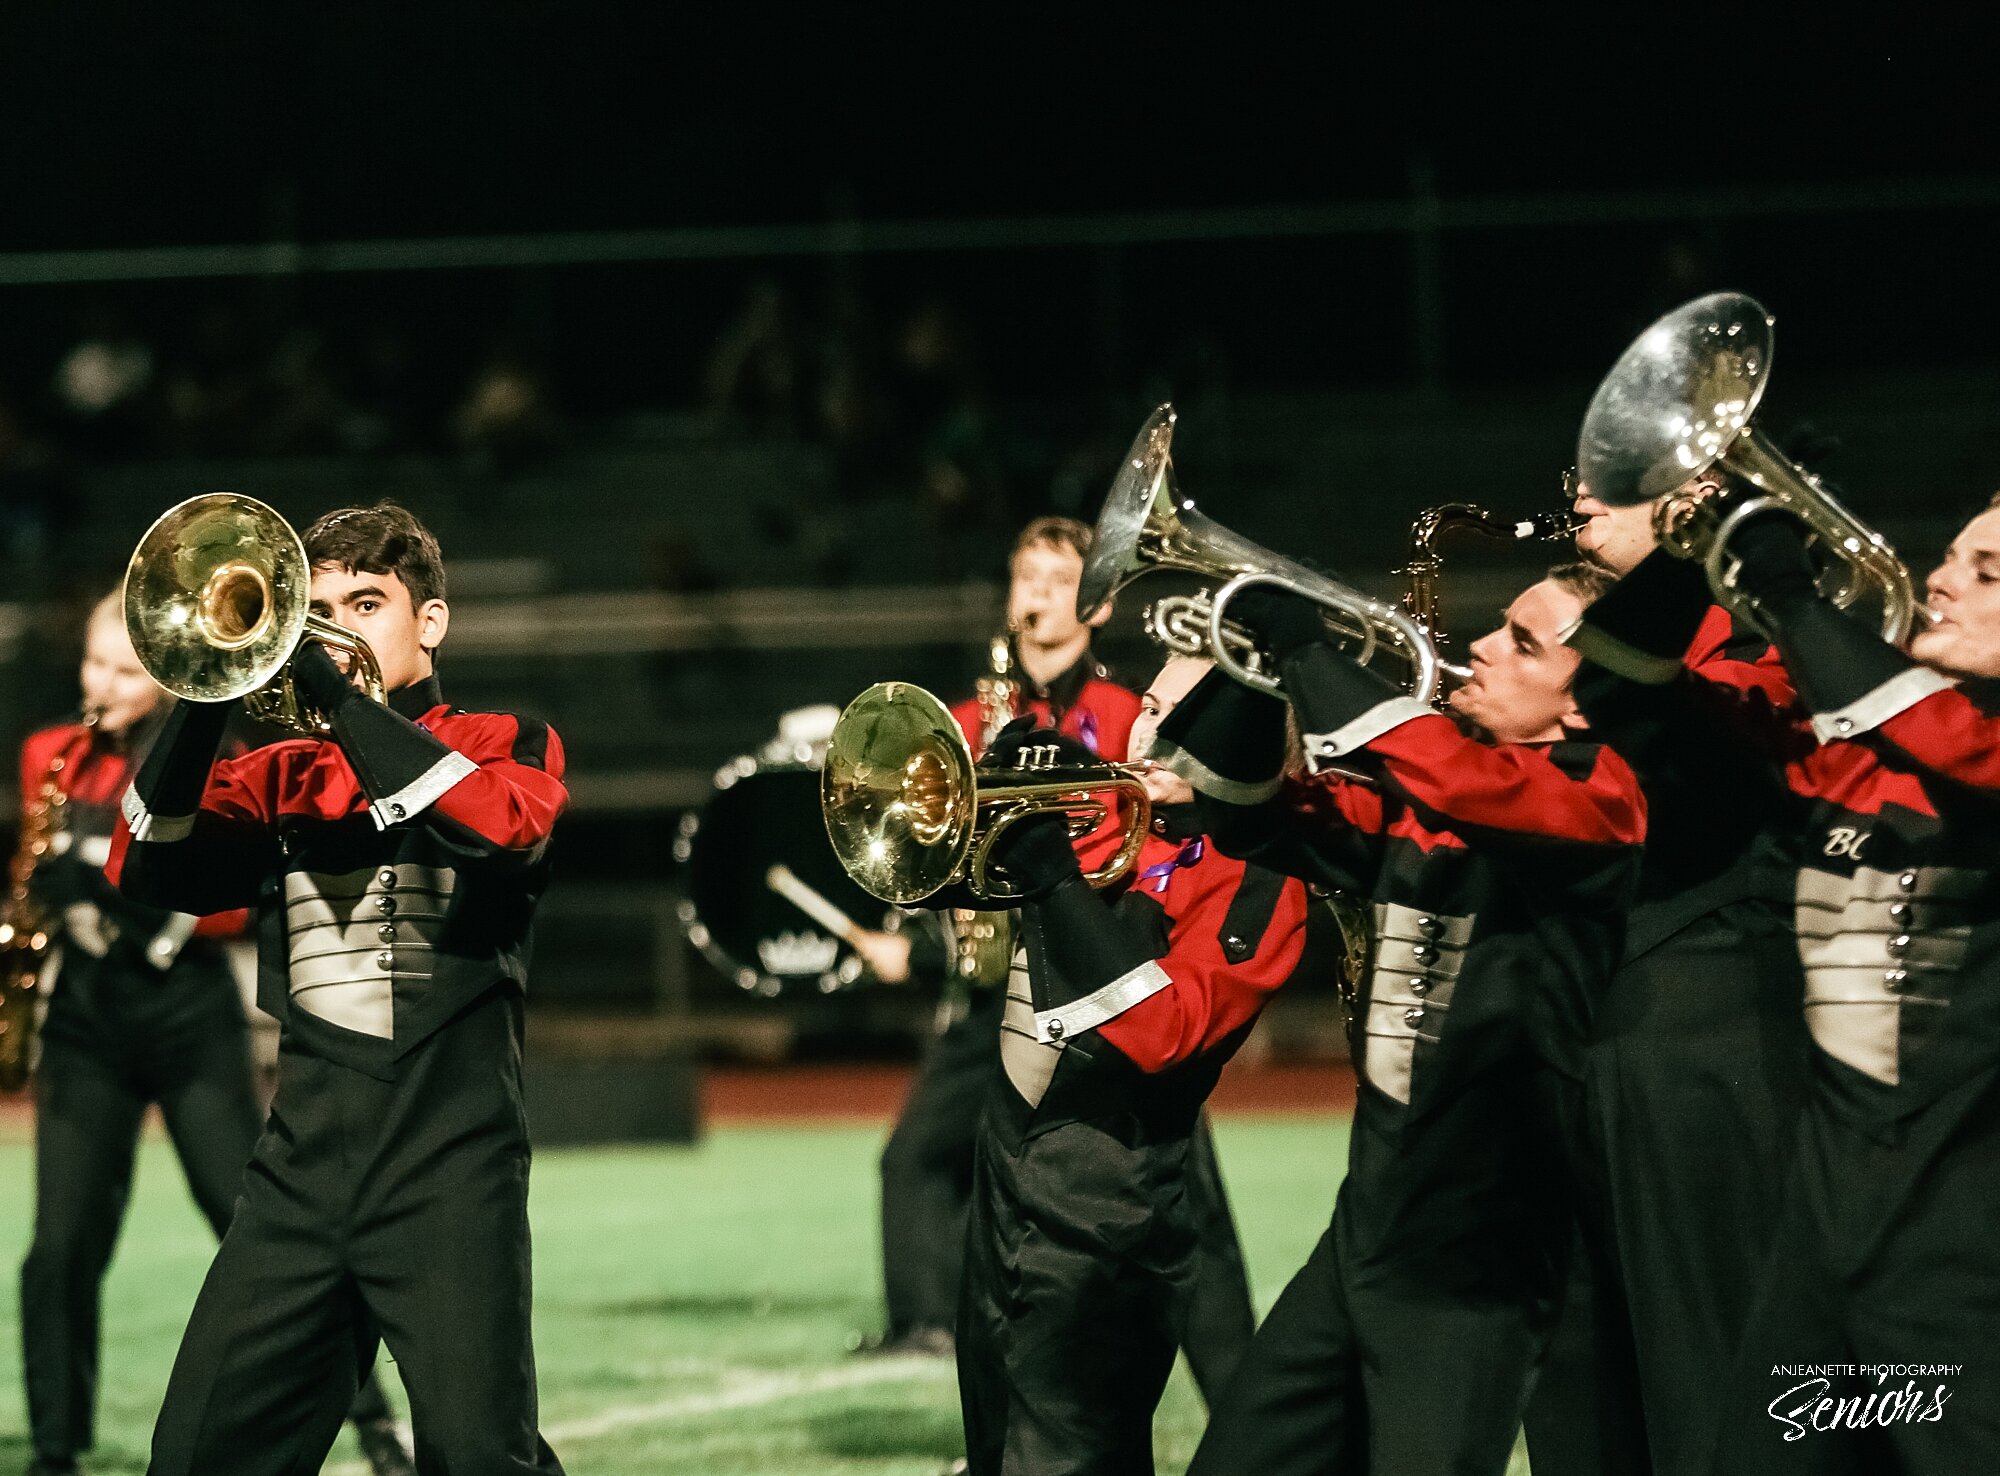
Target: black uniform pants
[(1885, 1256), (1693, 1087), (927, 1169), (927, 1172), (1355, 1371), (390, 1211), (117, 1040), (1080, 1267)]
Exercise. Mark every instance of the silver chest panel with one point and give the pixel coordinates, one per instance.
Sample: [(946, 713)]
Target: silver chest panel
[(1417, 959), (1878, 946), (1030, 1063), (354, 935)]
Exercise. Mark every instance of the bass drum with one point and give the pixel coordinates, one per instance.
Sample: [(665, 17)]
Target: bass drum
[(763, 815)]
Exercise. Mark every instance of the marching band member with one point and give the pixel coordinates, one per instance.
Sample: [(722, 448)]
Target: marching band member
[(1122, 1008), (1499, 868), (397, 865), (1698, 1038), (144, 1010), (1880, 1258), (927, 1165)]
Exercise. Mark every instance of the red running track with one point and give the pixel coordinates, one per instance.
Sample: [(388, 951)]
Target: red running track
[(732, 1094)]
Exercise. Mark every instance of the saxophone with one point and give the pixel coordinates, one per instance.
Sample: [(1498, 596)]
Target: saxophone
[(24, 924), (1420, 591), (983, 942)]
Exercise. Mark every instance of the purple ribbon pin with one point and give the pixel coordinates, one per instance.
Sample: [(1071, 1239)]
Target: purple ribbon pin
[(1162, 872)]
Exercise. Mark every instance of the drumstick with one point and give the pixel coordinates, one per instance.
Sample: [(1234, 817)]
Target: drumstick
[(781, 880)]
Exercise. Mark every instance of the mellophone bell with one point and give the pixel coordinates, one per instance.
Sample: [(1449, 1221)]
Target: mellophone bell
[(218, 597)]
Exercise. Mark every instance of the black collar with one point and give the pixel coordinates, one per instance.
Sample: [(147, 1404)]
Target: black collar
[(1062, 691), (418, 698)]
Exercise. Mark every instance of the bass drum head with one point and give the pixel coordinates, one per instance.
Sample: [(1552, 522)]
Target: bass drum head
[(760, 817)]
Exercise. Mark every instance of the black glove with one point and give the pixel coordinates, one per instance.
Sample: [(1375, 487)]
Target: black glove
[(1774, 566), (1654, 610), (1036, 854), (1283, 623), (1008, 744), (1225, 739), (319, 679)]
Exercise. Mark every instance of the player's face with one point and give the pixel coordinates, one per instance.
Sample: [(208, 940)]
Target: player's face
[(1176, 679), (1521, 673), (1616, 538), (115, 685), (1041, 597), (1964, 592), (377, 608)]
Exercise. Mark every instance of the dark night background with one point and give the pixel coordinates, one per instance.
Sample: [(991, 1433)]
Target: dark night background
[(897, 279)]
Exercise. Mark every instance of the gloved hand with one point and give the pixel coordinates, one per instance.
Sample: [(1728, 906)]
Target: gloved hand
[(319, 679), (1036, 854), (1009, 743), (1283, 623), (1773, 563), (1656, 609)]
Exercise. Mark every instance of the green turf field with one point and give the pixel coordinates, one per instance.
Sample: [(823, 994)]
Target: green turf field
[(692, 1305)]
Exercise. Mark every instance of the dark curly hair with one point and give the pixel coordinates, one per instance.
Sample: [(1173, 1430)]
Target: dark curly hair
[(384, 539)]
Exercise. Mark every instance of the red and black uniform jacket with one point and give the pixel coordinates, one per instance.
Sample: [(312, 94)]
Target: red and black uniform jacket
[(1897, 876), (396, 868), (1498, 878), (92, 915), (1898, 888), (1191, 946), (1083, 703), (1722, 828)]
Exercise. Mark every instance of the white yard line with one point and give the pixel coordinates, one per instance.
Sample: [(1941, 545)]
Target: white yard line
[(742, 1389)]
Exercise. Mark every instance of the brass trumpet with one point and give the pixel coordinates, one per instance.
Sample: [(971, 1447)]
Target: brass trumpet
[(217, 600), (1147, 526), (1671, 425), (909, 815)]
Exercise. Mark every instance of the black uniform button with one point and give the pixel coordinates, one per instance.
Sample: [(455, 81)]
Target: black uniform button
[(387, 876), (385, 959), (1424, 953), (387, 932), (1413, 1016), (1420, 987), (1900, 913), (385, 905), (397, 812), (1897, 979), (1907, 881), (1055, 1030), (1233, 943), (1430, 927), (1159, 825), (1899, 945)]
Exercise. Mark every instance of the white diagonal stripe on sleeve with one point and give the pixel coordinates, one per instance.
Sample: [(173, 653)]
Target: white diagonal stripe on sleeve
[(424, 791), (1364, 730), (159, 830), (1108, 1003), (1865, 713)]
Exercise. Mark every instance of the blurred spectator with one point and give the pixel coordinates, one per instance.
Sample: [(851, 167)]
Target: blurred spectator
[(506, 418), (754, 374), (960, 478), (101, 384), (304, 410)]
